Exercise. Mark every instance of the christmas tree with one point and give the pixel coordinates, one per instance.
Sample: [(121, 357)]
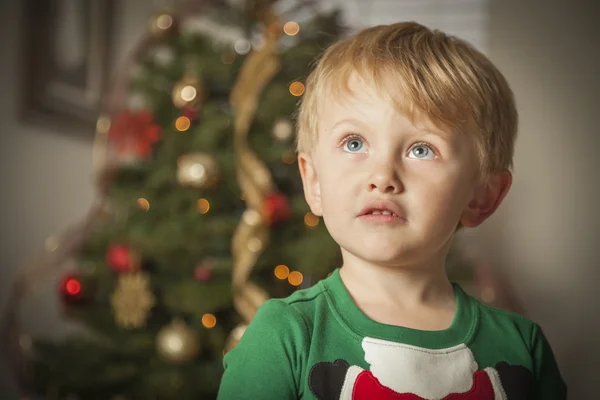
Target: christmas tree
[(202, 216)]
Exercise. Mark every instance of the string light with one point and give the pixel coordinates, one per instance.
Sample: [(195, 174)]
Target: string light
[(295, 278), (164, 21), (72, 286), (297, 88), (282, 272), (311, 220), (203, 206), (188, 93), (143, 203), (291, 28), (289, 157), (182, 124), (209, 321)]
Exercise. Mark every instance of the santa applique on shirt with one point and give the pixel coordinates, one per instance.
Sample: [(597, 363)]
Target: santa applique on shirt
[(400, 371)]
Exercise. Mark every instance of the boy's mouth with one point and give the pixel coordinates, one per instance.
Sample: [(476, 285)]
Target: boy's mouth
[(382, 210)]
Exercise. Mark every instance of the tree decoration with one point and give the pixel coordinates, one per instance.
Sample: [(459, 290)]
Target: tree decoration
[(71, 288), (276, 208), (121, 258), (203, 272), (188, 92), (134, 133), (198, 170), (283, 130), (132, 300), (176, 343), (162, 24), (252, 234)]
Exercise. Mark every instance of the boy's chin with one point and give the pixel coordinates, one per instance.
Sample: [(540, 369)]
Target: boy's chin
[(385, 255)]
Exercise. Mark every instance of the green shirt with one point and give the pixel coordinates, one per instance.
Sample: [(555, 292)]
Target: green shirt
[(317, 344)]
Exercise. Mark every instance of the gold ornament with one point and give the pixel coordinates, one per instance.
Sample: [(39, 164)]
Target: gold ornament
[(132, 300), (162, 24), (188, 92), (198, 170), (177, 343), (283, 130), (234, 337)]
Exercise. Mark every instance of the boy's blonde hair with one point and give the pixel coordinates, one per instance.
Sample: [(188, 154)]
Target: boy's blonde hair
[(422, 70)]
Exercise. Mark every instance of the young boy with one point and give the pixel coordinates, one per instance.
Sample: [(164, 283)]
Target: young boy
[(405, 135)]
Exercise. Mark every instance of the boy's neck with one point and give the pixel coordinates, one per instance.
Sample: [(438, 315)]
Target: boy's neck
[(419, 297)]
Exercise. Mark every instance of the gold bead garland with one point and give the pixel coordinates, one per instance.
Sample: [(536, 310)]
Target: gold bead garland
[(252, 233)]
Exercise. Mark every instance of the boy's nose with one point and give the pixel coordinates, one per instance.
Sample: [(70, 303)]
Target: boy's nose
[(385, 180)]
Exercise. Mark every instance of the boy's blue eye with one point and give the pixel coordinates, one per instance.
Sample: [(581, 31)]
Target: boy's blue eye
[(421, 152), (353, 145)]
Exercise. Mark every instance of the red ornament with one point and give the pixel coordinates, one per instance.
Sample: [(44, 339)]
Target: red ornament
[(121, 258), (204, 271), (190, 112), (276, 208), (134, 133), (71, 288)]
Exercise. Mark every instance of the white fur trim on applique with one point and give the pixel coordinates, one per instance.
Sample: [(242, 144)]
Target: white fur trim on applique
[(431, 374), (348, 386), (499, 393)]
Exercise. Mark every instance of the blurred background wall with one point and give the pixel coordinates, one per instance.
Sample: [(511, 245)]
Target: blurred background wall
[(544, 236)]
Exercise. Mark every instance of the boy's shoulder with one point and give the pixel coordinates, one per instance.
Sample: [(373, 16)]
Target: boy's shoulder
[(301, 300), (299, 308), (505, 321)]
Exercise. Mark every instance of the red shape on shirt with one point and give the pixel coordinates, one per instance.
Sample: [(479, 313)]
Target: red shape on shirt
[(368, 387)]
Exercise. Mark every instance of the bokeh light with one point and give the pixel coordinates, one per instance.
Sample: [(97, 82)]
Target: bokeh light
[(72, 286), (295, 278), (182, 124), (311, 220), (289, 157), (291, 28), (297, 88), (203, 206), (143, 203), (282, 272), (209, 321)]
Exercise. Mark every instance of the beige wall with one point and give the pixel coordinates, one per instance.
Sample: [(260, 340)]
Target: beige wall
[(543, 235), (45, 177), (546, 234)]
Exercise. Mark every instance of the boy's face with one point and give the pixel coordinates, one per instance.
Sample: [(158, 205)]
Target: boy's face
[(369, 155)]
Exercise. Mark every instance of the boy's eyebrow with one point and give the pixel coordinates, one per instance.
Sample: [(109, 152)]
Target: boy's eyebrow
[(420, 129), (352, 121), (433, 131)]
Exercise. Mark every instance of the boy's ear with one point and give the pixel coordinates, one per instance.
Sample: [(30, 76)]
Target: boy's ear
[(310, 182), (487, 199)]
